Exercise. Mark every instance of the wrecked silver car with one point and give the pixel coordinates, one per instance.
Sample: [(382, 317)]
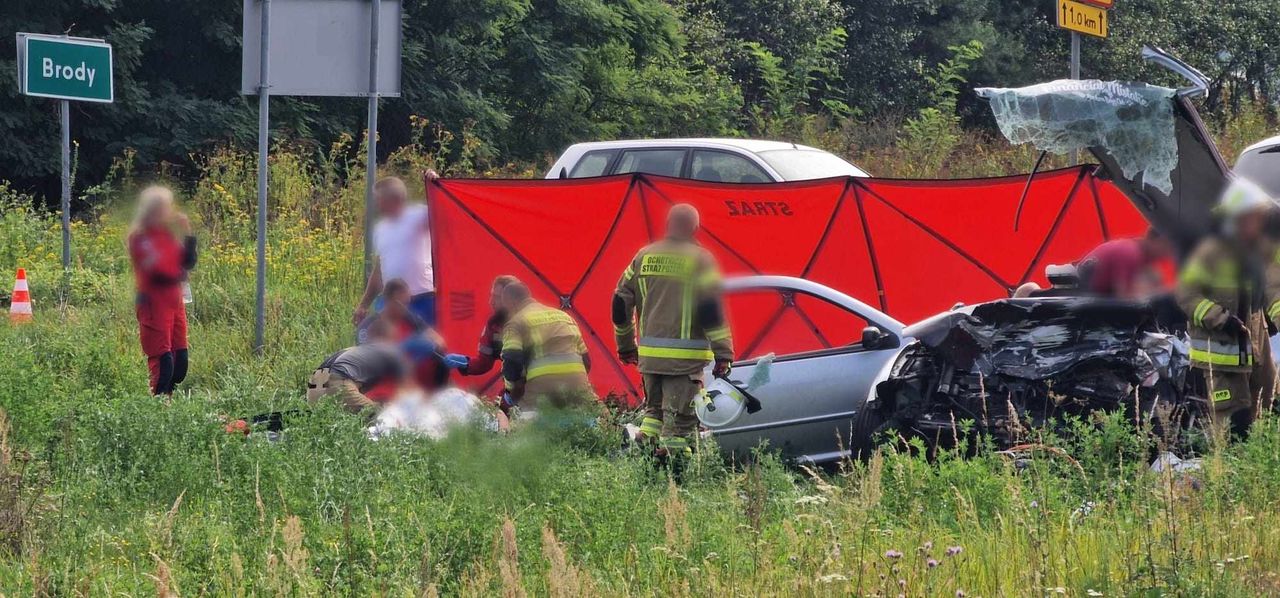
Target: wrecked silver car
[(998, 369), (1001, 367)]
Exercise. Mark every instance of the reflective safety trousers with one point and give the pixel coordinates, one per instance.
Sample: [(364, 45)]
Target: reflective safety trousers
[(669, 297), (550, 346), (1215, 285)]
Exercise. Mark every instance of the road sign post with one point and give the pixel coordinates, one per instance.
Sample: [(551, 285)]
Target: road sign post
[(358, 61), (1088, 17), (371, 165), (66, 69), (264, 140)]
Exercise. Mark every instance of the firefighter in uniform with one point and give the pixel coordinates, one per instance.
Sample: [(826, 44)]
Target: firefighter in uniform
[(544, 359), (1221, 290), (670, 293)]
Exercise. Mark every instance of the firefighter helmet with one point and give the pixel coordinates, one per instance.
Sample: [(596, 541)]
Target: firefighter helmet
[(1242, 197), (719, 404)]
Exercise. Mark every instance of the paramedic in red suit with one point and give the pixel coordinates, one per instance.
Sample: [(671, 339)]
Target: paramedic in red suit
[(160, 263), (490, 349)]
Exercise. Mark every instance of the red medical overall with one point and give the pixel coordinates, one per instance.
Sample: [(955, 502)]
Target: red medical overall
[(159, 265)]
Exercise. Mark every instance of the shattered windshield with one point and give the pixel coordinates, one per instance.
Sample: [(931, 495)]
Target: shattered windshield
[(1134, 122)]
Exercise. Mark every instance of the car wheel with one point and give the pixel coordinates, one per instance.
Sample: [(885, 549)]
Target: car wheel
[(864, 433)]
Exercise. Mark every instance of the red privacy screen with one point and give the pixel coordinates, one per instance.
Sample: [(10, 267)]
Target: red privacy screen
[(912, 248)]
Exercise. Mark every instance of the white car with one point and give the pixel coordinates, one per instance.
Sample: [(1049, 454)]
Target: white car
[(715, 160)]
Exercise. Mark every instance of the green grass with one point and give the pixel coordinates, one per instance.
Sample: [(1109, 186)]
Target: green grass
[(104, 490)]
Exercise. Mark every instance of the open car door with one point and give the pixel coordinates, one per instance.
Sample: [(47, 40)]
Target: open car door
[(824, 352)]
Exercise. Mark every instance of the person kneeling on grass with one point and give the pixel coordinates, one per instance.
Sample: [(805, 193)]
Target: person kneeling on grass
[(365, 376), (407, 328)]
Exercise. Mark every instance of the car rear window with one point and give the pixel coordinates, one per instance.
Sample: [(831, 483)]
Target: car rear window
[(592, 164), (801, 164)]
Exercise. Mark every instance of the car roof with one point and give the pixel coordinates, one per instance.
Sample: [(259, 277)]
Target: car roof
[(749, 145), (1265, 143)]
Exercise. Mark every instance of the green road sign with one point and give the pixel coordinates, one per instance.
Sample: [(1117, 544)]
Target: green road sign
[(67, 68)]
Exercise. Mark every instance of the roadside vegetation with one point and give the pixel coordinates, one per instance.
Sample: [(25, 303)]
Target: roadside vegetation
[(105, 490)]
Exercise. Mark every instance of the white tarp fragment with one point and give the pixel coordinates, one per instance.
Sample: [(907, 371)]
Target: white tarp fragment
[(761, 375), (1134, 122)]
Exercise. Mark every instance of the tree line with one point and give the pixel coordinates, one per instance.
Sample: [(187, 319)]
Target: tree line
[(521, 79)]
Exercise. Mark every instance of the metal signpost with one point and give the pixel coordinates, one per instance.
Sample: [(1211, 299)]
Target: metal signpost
[(66, 69), (347, 48), (1088, 17)]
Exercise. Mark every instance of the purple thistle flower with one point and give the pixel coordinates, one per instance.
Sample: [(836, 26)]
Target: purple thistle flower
[(959, 593), (954, 550), (892, 554), (932, 563)]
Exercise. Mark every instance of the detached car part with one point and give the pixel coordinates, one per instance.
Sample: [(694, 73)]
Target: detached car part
[(1150, 140)]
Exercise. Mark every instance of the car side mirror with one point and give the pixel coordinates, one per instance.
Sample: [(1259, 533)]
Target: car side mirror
[(873, 338)]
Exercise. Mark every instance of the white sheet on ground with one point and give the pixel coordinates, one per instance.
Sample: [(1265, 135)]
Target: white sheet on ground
[(433, 417)]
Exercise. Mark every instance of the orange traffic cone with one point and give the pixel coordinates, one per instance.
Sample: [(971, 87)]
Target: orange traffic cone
[(20, 306)]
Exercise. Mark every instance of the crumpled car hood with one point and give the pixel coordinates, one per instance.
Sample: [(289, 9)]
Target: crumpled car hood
[(1036, 339)]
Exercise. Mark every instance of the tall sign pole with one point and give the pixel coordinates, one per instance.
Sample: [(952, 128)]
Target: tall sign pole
[(64, 111), (67, 69), (264, 138), (1088, 17), (362, 43), (1075, 74), (371, 165)]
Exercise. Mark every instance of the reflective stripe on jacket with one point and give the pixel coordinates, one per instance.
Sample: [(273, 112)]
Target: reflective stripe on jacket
[(670, 297), (552, 350), (1271, 278), (1213, 287)]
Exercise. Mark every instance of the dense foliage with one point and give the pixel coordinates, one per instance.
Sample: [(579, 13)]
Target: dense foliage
[(524, 78)]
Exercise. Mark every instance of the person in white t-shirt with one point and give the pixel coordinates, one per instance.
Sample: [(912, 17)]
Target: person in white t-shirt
[(402, 244)]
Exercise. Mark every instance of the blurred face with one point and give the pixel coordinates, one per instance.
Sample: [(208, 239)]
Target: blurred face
[(508, 304), (682, 223), (495, 297), (1249, 226), (391, 200), (160, 215), (397, 304), (1159, 248), (380, 333)]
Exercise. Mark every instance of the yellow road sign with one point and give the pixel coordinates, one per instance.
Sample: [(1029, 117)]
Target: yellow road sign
[(1082, 18)]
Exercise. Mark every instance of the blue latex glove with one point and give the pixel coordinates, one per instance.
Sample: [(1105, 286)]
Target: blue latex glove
[(506, 402), (418, 348), (456, 361)]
